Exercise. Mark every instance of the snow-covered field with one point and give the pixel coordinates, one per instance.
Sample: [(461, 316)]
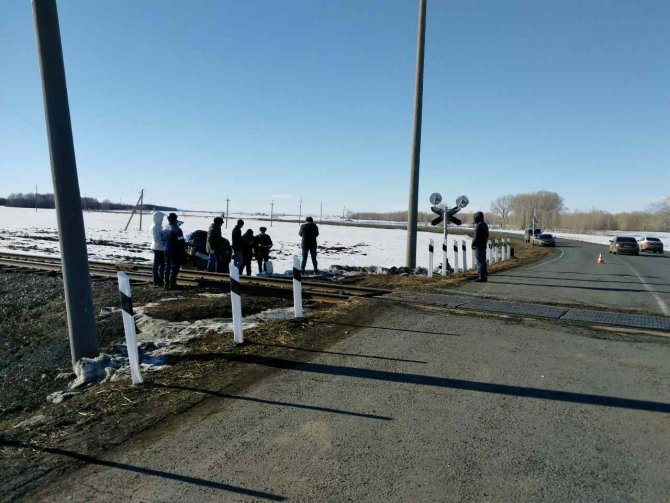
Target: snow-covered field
[(604, 237), (23, 230)]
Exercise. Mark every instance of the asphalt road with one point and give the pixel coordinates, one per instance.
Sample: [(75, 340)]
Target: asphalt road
[(625, 282), (419, 405)]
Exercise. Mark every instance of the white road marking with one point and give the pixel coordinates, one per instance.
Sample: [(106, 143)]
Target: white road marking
[(664, 307), (549, 262)]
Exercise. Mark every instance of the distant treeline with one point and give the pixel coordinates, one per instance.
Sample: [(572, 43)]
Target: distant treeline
[(401, 216), (516, 211), (87, 203)]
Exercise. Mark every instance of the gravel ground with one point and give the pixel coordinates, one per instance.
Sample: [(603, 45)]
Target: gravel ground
[(35, 349)]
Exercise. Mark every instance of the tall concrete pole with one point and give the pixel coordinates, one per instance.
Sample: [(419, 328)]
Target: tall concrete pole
[(78, 296), (413, 210)]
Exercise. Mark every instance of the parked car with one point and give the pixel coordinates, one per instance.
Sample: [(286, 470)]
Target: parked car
[(529, 234), (651, 244), (543, 240), (624, 244)]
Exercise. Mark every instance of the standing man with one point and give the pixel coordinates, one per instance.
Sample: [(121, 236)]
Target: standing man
[(175, 248), (238, 245), (263, 245), (158, 247), (215, 246), (309, 232), (480, 242)]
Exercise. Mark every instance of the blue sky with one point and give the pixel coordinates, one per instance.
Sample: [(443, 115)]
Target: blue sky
[(261, 100)]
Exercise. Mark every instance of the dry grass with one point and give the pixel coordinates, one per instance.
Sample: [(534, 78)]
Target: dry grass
[(524, 254)]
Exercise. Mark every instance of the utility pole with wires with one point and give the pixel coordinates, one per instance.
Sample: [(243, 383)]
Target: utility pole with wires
[(138, 204), (300, 212), (227, 202), (272, 209), (343, 208), (321, 215)]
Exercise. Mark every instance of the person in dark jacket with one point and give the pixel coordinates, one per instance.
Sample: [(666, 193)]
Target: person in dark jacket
[(218, 248), (249, 244), (309, 232), (480, 242), (175, 248), (262, 249), (238, 246)]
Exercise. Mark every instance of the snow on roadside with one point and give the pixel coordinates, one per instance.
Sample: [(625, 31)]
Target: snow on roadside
[(23, 230)]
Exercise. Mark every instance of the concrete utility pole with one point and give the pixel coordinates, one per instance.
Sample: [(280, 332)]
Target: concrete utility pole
[(321, 214), (227, 201), (272, 210), (141, 206), (300, 213), (413, 210), (78, 296)]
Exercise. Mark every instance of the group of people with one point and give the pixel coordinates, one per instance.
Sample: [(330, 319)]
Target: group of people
[(169, 248)]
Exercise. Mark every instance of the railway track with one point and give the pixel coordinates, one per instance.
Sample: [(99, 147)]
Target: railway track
[(141, 273)]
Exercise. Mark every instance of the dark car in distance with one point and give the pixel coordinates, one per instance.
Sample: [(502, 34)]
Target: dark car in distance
[(624, 244), (528, 235), (651, 244), (543, 240)]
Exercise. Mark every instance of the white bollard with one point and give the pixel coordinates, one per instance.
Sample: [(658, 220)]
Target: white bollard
[(509, 249), (236, 303), (444, 257), (455, 255), (431, 250), (464, 248), (503, 250), (297, 287), (489, 252), (473, 254), (496, 256), (129, 327)]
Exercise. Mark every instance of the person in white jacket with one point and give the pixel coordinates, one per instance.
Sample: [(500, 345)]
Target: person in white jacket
[(158, 247)]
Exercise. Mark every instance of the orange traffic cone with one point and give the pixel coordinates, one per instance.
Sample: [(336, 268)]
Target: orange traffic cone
[(600, 259)]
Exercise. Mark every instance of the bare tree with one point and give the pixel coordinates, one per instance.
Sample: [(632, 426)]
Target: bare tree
[(501, 207), (661, 210)]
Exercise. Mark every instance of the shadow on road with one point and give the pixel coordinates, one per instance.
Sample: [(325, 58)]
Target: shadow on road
[(394, 329), (372, 357), (273, 402), (441, 382), (144, 471), (529, 276), (599, 274), (579, 287)]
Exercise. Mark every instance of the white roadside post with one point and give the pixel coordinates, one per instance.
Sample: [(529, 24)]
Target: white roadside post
[(236, 302), (489, 255), (503, 250), (464, 248), (444, 257), (496, 249), (431, 250), (455, 255), (474, 257), (509, 249), (297, 287), (129, 327)]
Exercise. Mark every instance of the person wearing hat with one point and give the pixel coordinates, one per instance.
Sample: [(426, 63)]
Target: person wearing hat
[(175, 251), (309, 232), (263, 245), (218, 248), (238, 246)]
